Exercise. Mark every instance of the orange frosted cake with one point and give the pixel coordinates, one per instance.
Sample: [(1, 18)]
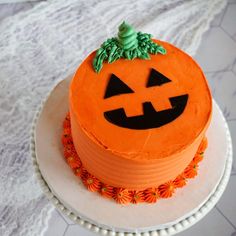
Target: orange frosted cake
[(138, 112)]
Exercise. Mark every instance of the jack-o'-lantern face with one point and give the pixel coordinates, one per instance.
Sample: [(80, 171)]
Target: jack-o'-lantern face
[(150, 117), (130, 104)]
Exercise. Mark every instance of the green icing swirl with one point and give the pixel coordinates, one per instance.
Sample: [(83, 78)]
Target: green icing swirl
[(127, 37), (128, 45)]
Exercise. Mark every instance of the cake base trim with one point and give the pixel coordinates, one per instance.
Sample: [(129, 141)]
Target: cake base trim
[(122, 195)]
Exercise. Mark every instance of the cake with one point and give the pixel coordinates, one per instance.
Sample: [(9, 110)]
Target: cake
[(139, 109)]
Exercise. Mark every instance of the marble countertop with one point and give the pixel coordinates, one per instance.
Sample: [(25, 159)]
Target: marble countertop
[(217, 56)]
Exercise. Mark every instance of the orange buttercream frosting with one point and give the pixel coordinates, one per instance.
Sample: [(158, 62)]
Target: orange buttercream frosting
[(123, 195), (106, 190), (198, 157), (137, 196), (69, 150), (167, 190), (203, 145), (66, 123), (79, 171), (191, 170), (92, 183), (137, 159), (180, 181), (151, 195)]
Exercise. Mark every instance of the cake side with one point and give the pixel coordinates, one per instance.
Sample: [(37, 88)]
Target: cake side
[(130, 174), (123, 195), (137, 159)]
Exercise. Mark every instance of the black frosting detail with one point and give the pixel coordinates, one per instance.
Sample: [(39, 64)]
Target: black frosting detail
[(115, 87), (156, 79), (150, 118)]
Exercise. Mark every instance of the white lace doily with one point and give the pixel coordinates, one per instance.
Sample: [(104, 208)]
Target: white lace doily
[(44, 45)]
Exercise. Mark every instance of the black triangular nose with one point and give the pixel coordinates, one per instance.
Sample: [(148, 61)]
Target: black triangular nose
[(148, 108)]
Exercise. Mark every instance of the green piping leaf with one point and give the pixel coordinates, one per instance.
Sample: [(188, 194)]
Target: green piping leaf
[(128, 45)]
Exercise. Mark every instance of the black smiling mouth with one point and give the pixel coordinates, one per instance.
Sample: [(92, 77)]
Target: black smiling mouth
[(150, 118)]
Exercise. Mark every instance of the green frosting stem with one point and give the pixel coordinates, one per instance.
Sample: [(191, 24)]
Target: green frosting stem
[(127, 37), (128, 45)]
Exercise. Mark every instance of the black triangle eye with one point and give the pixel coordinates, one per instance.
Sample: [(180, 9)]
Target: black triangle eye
[(115, 87), (156, 79)]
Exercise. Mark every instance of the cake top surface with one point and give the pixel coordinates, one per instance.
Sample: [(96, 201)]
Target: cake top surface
[(142, 109)]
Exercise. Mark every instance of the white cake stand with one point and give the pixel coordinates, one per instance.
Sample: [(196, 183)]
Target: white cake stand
[(103, 216)]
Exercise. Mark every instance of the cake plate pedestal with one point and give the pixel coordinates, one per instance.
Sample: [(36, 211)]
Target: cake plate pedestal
[(166, 217)]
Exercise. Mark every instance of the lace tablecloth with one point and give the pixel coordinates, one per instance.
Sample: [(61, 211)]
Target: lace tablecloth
[(42, 46)]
